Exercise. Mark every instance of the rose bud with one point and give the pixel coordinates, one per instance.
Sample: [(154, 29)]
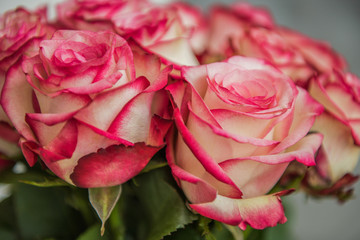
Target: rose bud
[(240, 123), (80, 106)]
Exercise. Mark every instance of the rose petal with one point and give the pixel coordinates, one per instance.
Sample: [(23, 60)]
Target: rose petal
[(259, 212), (112, 166)]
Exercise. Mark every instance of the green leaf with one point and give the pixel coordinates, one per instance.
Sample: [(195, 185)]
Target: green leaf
[(46, 182), (39, 179), (43, 213), (163, 206), (103, 201), (188, 233)]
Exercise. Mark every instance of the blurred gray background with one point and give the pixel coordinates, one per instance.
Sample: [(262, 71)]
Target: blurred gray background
[(337, 22)]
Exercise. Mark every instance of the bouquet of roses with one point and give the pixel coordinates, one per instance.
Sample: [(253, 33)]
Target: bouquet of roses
[(171, 122)]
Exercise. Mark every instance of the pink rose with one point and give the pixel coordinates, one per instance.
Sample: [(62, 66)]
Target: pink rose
[(246, 35), (339, 93), (298, 56), (229, 24), (318, 54), (164, 30), (98, 15), (81, 107), (270, 45), (170, 35), (254, 15), (20, 33), (240, 123)]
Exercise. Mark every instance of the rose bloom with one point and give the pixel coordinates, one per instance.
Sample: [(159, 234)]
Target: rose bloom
[(240, 123), (80, 106), (20, 34), (170, 31), (339, 93), (97, 15), (173, 32), (298, 56)]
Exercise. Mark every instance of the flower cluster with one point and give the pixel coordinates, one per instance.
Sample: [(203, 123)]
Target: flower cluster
[(237, 101)]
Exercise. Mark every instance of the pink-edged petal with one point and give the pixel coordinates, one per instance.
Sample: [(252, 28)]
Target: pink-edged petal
[(201, 109), (318, 92), (306, 110), (319, 54), (303, 152), (256, 128), (258, 212), (88, 141), (65, 103), (199, 152), (177, 51), (344, 100), (111, 166), (196, 76), (65, 142), (107, 134), (50, 119), (44, 133), (149, 66), (339, 154), (158, 129), (186, 160), (355, 130), (161, 104), (133, 122), (219, 39), (252, 177), (16, 90), (161, 80), (237, 145), (99, 86), (196, 189), (29, 150), (180, 94), (101, 117)]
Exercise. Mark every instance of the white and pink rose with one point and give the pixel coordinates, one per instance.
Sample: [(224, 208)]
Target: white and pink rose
[(251, 32), (83, 109), (339, 93), (240, 123)]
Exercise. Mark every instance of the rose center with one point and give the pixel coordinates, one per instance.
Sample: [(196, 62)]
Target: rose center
[(69, 57), (249, 88)]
